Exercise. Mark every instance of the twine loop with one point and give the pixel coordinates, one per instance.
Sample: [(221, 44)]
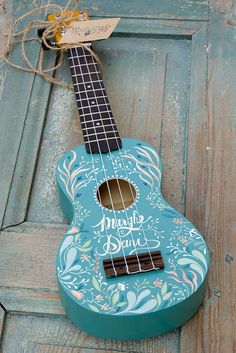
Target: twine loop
[(52, 27)]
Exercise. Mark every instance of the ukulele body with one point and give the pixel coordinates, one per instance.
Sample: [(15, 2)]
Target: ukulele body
[(131, 306)]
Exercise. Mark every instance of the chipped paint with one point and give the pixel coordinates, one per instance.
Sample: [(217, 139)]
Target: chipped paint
[(5, 21), (57, 138)]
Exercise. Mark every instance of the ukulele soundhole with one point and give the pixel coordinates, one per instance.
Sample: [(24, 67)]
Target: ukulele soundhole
[(116, 194)]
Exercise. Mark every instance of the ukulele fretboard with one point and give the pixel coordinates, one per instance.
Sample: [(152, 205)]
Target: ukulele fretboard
[(97, 122)]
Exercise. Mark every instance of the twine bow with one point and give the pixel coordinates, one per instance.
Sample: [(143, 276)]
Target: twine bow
[(51, 28)]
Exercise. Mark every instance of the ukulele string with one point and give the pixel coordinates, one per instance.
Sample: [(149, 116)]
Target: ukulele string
[(110, 195), (123, 163), (103, 166), (89, 145), (117, 180), (90, 149)]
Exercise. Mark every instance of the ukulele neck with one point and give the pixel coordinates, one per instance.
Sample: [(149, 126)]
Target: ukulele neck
[(98, 125)]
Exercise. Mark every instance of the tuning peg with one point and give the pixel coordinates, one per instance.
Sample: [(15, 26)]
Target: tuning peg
[(41, 31), (40, 34)]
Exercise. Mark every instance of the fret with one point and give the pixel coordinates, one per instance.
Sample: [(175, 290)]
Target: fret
[(90, 94), (94, 130), (86, 65), (77, 61), (103, 146), (105, 133), (91, 114), (100, 100), (79, 56), (85, 72), (97, 126), (97, 122), (81, 86), (83, 78), (103, 139), (98, 84), (102, 107), (79, 83), (96, 97)]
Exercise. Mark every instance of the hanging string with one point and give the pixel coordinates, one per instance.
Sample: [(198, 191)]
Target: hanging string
[(52, 27)]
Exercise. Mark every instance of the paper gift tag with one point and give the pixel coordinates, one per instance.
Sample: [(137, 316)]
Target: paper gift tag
[(88, 31)]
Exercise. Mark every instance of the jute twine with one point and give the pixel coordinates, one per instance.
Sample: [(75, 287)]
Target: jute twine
[(51, 28)]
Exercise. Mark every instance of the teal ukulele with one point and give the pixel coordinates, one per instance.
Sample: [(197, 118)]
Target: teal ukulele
[(129, 266)]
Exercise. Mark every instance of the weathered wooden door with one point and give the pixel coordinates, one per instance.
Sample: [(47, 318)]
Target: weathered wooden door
[(171, 81)]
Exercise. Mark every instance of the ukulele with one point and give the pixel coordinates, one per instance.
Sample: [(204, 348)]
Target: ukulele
[(129, 266)]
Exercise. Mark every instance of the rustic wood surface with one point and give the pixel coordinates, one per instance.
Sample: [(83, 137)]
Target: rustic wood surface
[(170, 75)]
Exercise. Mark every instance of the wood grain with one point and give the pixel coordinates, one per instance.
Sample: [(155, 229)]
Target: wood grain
[(28, 150), (24, 264), (170, 108), (214, 326), (27, 333), (181, 9), (14, 103)]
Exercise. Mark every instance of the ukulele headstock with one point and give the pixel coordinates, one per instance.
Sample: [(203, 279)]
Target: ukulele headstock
[(70, 17)]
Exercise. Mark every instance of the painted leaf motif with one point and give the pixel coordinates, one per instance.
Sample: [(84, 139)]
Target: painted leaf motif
[(85, 249), (121, 304), (85, 245), (148, 306), (164, 289), (66, 277), (94, 308), (73, 230), (68, 240), (77, 295), (70, 257), (131, 296), (142, 295), (197, 268), (158, 299), (167, 296), (96, 284), (199, 255), (185, 261), (77, 236), (75, 268), (115, 298), (112, 286)]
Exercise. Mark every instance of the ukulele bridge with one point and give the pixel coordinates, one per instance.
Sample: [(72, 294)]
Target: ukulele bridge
[(133, 264)]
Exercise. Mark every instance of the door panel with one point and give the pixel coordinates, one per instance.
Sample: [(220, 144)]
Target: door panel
[(157, 75), (162, 69), (148, 69), (179, 9)]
